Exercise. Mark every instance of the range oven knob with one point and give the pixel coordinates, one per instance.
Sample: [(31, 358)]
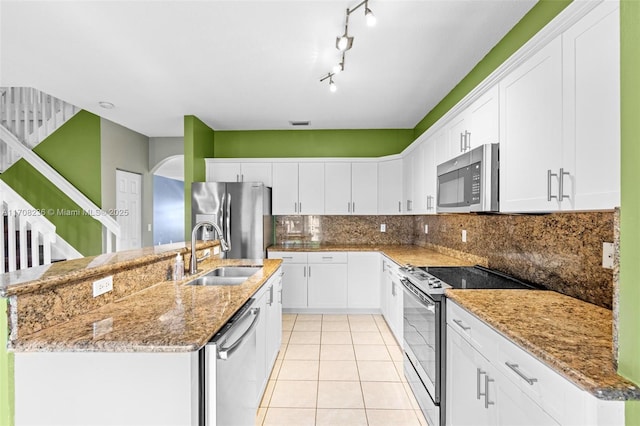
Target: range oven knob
[(436, 283)]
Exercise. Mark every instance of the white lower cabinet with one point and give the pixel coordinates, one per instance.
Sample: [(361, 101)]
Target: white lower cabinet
[(492, 381), (327, 283), (391, 301), (338, 281), (268, 330)]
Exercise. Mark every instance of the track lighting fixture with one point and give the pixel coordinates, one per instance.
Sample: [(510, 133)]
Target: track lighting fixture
[(345, 42), (332, 84)]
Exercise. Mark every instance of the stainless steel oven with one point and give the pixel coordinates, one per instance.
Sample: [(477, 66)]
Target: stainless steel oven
[(424, 325), (422, 342)]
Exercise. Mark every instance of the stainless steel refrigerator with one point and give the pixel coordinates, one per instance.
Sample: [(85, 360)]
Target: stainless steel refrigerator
[(243, 212)]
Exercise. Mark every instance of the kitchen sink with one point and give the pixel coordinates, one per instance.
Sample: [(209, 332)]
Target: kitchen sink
[(226, 275)]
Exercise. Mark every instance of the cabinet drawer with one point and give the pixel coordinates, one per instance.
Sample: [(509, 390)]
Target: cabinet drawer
[(289, 256), (557, 396), (328, 257), (477, 333)]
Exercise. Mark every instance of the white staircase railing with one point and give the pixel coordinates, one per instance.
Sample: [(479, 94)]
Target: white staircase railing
[(110, 228), (31, 115), (26, 231)]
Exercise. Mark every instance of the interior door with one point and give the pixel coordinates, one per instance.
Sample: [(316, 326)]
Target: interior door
[(129, 202)]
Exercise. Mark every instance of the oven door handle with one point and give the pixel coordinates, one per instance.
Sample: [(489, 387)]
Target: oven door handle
[(428, 304)]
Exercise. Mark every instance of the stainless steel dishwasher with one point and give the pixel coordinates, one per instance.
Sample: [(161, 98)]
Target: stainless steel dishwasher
[(228, 384)]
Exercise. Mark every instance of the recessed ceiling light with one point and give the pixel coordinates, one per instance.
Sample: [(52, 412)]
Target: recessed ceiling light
[(106, 105)]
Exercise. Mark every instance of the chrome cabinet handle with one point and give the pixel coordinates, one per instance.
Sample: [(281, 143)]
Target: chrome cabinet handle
[(309, 271), (461, 325), (237, 178), (549, 176), (242, 178), (461, 142), (399, 206), (515, 368), (304, 272), (561, 195), (270, 296), (300, 209), (295, 207), (479, 374), (393, 288), (353, 209), (467, 140), (348, 207), (487, 403)]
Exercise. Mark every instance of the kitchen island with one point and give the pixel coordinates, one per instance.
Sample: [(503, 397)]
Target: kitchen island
[(129, 356)]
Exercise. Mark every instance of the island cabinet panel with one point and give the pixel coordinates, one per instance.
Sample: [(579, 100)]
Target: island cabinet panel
[(391, 298), (492, 381), (327, 285), (125, 389)]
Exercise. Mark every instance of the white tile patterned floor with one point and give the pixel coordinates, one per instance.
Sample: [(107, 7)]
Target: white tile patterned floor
[(338, 370)]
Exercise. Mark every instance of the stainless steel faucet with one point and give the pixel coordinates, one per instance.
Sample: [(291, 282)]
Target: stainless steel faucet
[(194, 260)]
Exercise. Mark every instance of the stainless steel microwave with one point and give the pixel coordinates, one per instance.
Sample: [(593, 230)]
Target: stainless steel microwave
[(469, 182)]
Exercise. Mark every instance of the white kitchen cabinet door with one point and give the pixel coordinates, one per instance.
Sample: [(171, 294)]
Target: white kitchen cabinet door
[(591, 67), (337, 189), (396, 323), (294, 286), (256, 172), (430, 174), (531, 132), (222, 172), (364, 188), (484, 117), (385, 289), (467, 386), (327, 285), (457, 134), (284, 196), (364, 280), (262, 371), (418, 173), (407, 183), (274, 321), (390, 187), (311, 188)]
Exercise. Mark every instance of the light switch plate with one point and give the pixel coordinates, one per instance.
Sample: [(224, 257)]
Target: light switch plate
[(102, 286), (464, 236), (426, 229), (383, 227), (607, 255)]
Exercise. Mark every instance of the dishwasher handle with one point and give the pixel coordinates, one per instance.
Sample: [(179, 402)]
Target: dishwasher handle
[(225, 352)]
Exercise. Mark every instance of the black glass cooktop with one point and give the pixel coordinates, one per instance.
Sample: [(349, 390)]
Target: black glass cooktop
[(476, 277)]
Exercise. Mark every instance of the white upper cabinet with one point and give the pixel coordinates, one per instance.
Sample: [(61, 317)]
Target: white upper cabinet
[(531, 132), (296, 187), (390, 187), (351, 188), (560, 121), (430, 175), (414, 172), (364, 187), (223, 171), (474, 126), (591, 66)]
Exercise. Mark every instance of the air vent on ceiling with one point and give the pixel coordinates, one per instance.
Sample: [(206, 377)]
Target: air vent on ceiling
[(299, 123)]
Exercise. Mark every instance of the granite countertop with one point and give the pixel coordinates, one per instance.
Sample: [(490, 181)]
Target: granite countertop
[(167, 317), (572, 337), (401, 254)]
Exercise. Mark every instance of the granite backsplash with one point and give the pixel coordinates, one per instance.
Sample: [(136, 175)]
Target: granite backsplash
[(560, 251)]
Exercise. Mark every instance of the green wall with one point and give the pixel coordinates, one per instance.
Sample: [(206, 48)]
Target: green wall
[(311, 143), (539, 16), (629, 319), (198, 145), (6, 371), (74, 151)]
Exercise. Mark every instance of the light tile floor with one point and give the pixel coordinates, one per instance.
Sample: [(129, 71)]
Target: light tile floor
[(338, 370)]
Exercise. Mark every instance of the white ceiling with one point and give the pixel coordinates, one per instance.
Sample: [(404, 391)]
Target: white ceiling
[(242, 65)]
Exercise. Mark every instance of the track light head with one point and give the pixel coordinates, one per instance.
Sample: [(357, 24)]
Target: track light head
[(371, 18), (344, 43)]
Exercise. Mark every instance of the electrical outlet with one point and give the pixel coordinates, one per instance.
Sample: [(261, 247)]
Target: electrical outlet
[(102, 327), (426, 229), (607, 255), (102, 286), (216, 250), (383, 227), (464, 236)]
